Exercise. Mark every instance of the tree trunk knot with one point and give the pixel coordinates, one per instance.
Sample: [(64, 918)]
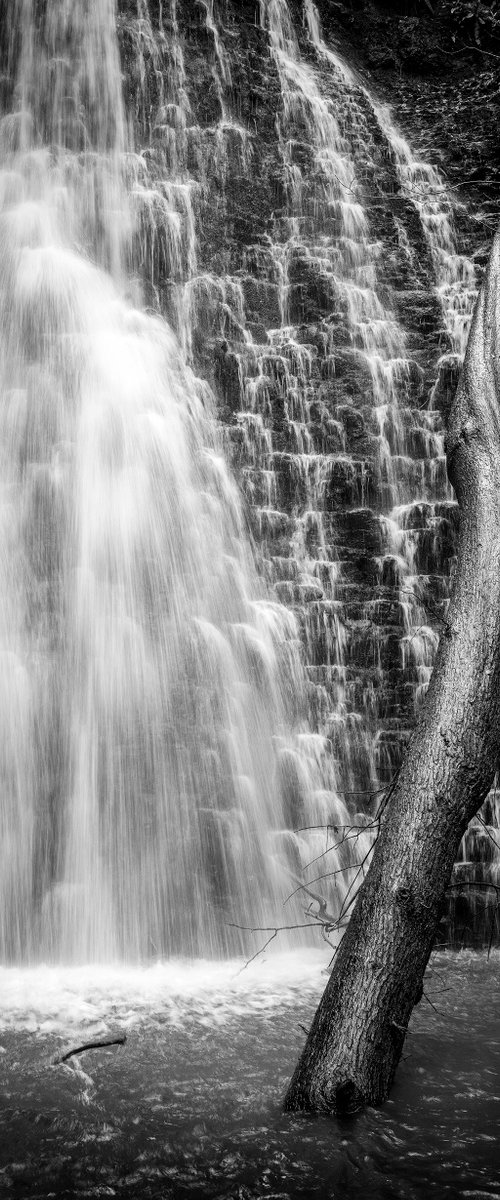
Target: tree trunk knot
[(468, 431), (403, 897), (406, 899), (348, 1099)]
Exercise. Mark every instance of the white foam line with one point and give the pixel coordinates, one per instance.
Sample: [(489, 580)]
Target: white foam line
[(55, 999)]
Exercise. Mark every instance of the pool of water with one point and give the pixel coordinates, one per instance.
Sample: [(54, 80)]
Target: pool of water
[(190, 1105)]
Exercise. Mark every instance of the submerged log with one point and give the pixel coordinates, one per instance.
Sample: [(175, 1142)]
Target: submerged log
[(116, 1040), (357, 1035)]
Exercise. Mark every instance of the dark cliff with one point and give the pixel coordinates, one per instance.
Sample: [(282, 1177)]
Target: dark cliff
[(321, 277)]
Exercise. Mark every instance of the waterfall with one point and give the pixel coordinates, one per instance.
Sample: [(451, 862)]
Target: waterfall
[(154, 743), (472, 909), (227, 325), (330, 108)]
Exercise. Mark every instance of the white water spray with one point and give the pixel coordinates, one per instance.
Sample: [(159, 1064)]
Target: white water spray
[(148, 688)]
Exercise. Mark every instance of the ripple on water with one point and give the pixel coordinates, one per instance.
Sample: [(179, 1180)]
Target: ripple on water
[(190, 1106)]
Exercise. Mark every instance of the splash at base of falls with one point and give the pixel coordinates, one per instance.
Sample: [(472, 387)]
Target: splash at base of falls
[(77, 1001)]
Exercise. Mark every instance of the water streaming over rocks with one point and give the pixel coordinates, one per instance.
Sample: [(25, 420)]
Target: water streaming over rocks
[(172, 710), (334, 311), (153, 699)]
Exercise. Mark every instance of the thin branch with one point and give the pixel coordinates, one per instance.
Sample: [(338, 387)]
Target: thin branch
[(473, 883), (490, 940), (429, 1001), (467, 46), (274, 930), (268, 928), (257, 952), (426, 602), (488, 830), (346, 906), (111, 1041), (348, 837), (329, 824)]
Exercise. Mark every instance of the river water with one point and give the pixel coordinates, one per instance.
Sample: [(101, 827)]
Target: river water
[(190, 1105)]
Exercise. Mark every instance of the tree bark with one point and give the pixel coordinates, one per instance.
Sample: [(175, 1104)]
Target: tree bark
[(357, 1035)]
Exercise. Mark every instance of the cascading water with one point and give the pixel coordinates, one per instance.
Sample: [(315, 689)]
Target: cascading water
[(402, 431), (330, 233), (149, 688), (161, 737)]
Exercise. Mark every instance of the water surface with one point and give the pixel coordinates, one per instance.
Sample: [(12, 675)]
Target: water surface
[(190, 1106)]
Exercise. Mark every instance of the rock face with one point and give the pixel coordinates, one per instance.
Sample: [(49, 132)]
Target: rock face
[(439, 63), (314, 276), (319, 276)]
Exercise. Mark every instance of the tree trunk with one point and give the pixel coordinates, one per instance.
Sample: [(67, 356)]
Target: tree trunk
[(357, 1035)]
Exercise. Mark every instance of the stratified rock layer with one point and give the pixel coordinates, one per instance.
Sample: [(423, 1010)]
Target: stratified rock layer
[(318, 276)]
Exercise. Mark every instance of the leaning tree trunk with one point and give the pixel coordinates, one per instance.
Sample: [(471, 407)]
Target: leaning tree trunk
[(357, 1035)]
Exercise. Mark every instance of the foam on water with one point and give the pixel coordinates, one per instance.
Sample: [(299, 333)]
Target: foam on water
[(65, 1000)]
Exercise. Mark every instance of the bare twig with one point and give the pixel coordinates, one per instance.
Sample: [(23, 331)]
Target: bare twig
[(429, 1001), (347, 837), (467, 46), (111, 1041), (274, 930), (350, 895), (474, 883), (303, 887), (257, 952), (488, 830), (322, 914), (268, 928)]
